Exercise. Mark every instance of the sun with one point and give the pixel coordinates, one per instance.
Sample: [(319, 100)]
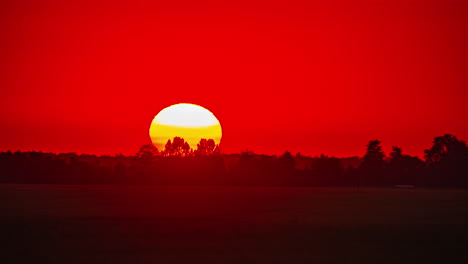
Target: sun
[(188, 121)]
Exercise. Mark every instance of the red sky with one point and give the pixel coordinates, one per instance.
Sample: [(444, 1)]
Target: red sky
[(311, 76)]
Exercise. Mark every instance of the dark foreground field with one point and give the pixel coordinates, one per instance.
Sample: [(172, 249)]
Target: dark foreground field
[(118, 224)]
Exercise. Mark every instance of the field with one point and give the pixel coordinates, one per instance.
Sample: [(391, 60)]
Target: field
[(148, 224)]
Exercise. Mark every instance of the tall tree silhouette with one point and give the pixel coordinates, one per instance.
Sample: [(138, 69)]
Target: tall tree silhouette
[(374, 156), (206, 147), (373, 164), (178, 147)]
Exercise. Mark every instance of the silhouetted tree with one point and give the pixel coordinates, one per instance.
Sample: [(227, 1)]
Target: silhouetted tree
[(404, 169), (186, 150), (396, 160), (448, 161), (396, 154), (287, 160), (147, 152), (446, 147), (373, 164), (168, 148), (374, 155), (178, 147), (206, 148)]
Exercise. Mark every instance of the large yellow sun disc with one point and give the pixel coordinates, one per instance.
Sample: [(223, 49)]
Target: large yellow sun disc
[(188, 121)]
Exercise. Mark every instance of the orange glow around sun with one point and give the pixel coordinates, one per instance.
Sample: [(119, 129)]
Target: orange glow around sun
[(188, 121)]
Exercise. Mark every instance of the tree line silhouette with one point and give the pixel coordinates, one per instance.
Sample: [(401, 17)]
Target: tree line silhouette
[(445, 165), (178, 147)]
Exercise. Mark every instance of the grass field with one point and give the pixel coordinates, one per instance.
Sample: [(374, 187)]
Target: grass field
[(138, 224)]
